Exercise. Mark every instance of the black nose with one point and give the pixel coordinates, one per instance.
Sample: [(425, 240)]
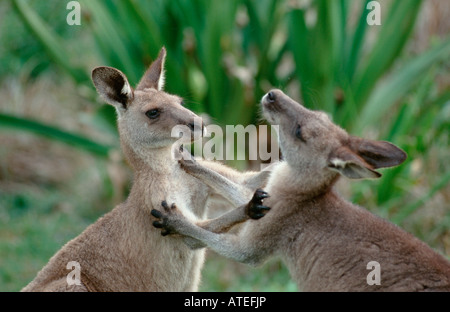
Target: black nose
[(271, 96)]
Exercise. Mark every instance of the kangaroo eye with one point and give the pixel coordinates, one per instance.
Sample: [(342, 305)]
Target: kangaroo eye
[(153, 113), (298, 133)]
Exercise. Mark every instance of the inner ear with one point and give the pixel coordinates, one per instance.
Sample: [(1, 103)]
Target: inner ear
[(379, 154), (154, 77), (355, 171), (350, 165), (113, 86)]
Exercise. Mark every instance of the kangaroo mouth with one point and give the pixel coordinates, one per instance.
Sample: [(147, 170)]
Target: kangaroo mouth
[(188, 133), (197, 131)]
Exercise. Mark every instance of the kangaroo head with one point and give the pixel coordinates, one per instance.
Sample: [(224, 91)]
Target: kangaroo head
[(310, 140), (147, 116)]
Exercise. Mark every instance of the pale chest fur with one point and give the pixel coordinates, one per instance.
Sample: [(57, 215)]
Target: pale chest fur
[(190, 196), (176, 186)]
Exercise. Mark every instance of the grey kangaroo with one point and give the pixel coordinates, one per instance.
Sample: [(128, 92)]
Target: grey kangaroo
[(122, 251), (326, 241)]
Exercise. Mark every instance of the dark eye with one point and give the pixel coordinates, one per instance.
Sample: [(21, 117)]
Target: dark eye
[(153, 113), (298, 133)]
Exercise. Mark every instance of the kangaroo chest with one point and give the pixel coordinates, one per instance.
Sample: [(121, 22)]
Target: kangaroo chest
[(177, 187)]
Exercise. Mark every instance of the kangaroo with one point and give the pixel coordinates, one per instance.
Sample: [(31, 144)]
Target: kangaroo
[(327, 243), (122, 251)]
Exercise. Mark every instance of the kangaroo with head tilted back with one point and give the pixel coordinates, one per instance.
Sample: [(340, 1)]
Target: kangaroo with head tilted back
[(328, 243), (122, 251)]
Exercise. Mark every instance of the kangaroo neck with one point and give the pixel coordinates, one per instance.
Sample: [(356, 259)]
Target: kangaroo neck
[(298, 183), (155, 161)]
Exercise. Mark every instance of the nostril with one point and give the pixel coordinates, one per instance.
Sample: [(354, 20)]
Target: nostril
[(271, 96), (191, 126)]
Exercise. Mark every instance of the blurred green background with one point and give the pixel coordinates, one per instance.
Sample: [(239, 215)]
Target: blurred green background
[(60, 162)]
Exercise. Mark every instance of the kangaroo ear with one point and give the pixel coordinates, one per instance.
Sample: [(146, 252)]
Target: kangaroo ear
[(154, 77), (113, 86), (349, 164), (379, 154)]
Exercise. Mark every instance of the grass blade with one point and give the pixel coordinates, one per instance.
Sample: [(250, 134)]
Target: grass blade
[(357, 43)]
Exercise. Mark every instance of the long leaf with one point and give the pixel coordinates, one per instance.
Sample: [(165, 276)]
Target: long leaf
[(356, 46), (74, 140), (394, 33), (399, 83), (109, 33)]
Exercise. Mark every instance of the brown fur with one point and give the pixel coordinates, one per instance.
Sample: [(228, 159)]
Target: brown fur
[(123, 251), (325, 240)]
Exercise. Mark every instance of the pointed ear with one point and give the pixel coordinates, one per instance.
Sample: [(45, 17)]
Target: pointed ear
[(379, 154), (154, 76), (113, 86), (349, 164)]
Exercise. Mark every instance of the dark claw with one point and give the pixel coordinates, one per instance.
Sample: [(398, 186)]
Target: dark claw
[(163, 223), (256, 209), (156, 213), (260, 195)]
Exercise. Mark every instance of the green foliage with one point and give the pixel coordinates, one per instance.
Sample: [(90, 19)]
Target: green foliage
[(270, 276), (19, 48), (223, 55), (33, 227), (50, 40)]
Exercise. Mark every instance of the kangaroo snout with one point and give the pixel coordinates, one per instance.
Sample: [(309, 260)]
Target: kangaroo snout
[(197, 128), (271, 101), (277, 106), (276, 101)]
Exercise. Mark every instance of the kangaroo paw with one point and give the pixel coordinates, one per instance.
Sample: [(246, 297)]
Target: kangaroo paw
[(168, 218), (255, 208), (186, 160)]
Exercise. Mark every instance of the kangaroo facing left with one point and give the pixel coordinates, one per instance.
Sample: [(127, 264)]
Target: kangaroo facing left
[(123, 251)]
